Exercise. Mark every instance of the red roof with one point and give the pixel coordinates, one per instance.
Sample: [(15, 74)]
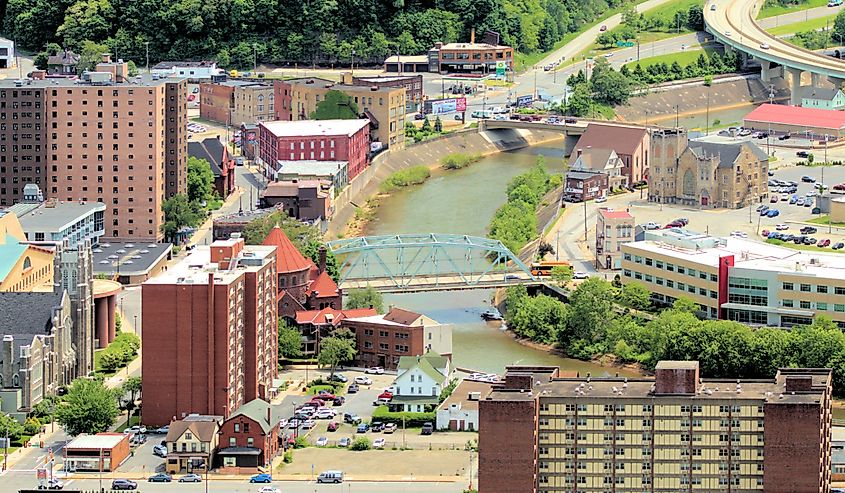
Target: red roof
[(318, 317), (797, 115), (324, 286), (288, 258), (615, 214)]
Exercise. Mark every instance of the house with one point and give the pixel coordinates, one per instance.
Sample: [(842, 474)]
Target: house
[(420, 381), (222, 165), (581, 186), (193, 71), (459, 412), (100, 452), (605, 161), (191, 443), (306, 200), (630, 143), (613, 229), (63, 63), (249, 438), (316, 324), (827, 98), (382, 340)]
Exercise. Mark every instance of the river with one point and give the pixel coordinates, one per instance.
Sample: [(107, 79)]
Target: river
[(463, 202)]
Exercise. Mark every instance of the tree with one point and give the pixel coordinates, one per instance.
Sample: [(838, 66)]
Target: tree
[(178, 213), (426, 126), (438, 124), (365, 298), (636, 296), (695, 18), (131, 386), (406, 44), (301, 234), (685, 305), (539, 318), (839, 25), (609, 86), (606, 39), (11, 426), (200, 180), (90, 54), (89, 407), (336, 106), (312, 251), (591, 309), (290, 340), (580, 101), (561, 274), (334, 351)]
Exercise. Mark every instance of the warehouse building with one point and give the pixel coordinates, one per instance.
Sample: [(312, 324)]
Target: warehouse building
[(812, 123)]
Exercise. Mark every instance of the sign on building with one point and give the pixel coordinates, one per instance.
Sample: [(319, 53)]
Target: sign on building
[(500, 68)]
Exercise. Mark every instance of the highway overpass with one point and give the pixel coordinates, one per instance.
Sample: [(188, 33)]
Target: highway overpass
[(733, 23), (569, 129)]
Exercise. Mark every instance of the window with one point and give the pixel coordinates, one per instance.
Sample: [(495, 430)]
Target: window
[(821, 306), (805, 288), (805, 305), (821, 289), (249, 442), (838, 290)]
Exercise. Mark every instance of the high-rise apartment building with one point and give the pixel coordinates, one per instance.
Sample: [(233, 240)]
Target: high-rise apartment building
[(210, 322), (674, 432), (105, 137)]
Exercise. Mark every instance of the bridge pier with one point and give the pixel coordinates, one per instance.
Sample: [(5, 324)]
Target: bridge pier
[(815, 79), (765, 71), (836, 81), (794, 85)]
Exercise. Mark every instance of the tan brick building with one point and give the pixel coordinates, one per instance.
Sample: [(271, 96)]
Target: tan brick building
[(706, 174), (669, 433), (237, 102)]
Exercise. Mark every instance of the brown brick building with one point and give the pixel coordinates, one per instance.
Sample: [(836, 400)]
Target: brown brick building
[(176, 159), (23, 140), (673, 432), (210, 324), (236, 102), (249, 439)]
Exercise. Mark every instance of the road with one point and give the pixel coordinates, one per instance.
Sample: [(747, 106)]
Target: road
[(733, 21)]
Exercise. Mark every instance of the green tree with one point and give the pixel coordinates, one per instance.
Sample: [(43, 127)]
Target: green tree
[(312, 251), (89, 407), (426, 126), (301, 234), (334, 351), (538, 318), (132, 386), (11, 426), (90, 54), (607, 39), (378, 46), (580, 101), (406, 44), (695, 18), (178, 213), (336, 106), (632, 18), (591, 309), (438, 125), (200, 180), (290, 340), (365, 298), (86, 20), (636, 296), (685, 305), (609, 86), (561, 274)]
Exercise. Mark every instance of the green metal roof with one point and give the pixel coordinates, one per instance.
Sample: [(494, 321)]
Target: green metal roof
[(428, 363), (10, 253)]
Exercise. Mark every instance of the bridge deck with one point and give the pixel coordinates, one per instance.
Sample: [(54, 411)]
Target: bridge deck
[(439, 283)]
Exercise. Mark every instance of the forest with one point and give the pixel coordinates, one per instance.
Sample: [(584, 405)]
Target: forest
[(238, 32)]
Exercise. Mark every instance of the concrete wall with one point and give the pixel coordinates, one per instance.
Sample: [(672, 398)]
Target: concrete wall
[(428, 153)]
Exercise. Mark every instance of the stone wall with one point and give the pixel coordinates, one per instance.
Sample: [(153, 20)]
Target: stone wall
[(428, 153)]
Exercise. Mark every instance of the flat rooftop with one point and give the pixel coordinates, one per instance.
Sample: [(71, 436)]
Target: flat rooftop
[(472, 46), (53, 216), (105, 441), (751, 254), (798, 116), (142, 80), (407, 59), (196, 267), (309, 128), (330, 84), (310, 168), (129, 258)]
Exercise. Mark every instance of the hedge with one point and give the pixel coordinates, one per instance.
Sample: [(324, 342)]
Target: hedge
[(412, 420)]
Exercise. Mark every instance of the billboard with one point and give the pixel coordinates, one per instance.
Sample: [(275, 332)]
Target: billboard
[(524, 100), (443, 106), (500, 68)]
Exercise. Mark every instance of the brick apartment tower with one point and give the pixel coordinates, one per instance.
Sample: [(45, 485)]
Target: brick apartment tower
[(673, 432), (210, 324), (23, 141), (176, 126)]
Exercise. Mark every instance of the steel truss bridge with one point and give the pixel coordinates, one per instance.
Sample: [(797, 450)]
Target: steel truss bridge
[(428, 262)]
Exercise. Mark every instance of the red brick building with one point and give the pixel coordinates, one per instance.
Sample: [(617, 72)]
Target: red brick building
[(210, 324), (249, 439), (631, 144), (540, 432), (219, 160), (581, 186), (383, 339), (316, 324), (315, 140)]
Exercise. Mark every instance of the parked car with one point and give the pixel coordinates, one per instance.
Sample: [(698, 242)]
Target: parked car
[(580, 275), (386, 395), (124, 484), (338, 401), (773, 213), (325, 413), (762, 207), (377, 426), (427, 429), (390, 427), (824, 243), (378, 443), (652, 225), (362, 380), (339, 377), (767, 233), (798, 239), (809, 240), (774, 199), (838, 246), (816, 210), (161, 431), (353, 389), (135, 429), (161, 477), (739, 234), (307, 425), (191, 478), (375, 370), (684, 221), (333, 426), (362, 428), (344, 442), (352, 419), (781, 227), (52, 484), (160, 451), (783, 137), (269, 489), (800, 201), (330, 477), (808, 230), (803, 154), (261, 478), (381, 401), (808, 179), (322, 442), (325, 395)]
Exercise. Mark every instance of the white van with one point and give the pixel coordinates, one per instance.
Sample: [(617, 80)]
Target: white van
[(330, 477), (482, 114)]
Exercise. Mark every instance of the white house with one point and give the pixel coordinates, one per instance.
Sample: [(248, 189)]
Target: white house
[(594, 160), (7, 53), (459, 412), (420, 381), (191, 70)]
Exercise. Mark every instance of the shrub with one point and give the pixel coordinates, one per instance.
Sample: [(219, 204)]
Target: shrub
[(300, 442), (411, 420), (459, 160), (360, 443), (414, 175), (288, 457), (32, 426)]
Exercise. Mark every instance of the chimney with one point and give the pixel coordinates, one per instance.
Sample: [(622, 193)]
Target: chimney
[(472, 36), (322, 259), (579, 152), (269, 407), (106, 57)]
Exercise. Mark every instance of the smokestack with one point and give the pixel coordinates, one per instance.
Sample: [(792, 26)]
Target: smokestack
[(472, 36), (322, 259), (106, 57)]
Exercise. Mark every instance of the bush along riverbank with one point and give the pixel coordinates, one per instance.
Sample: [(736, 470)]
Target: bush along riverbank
[(459, 160), (415, 175), (589, 327), (515, 222)]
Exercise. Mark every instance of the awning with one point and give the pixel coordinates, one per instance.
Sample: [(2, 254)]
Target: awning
[(239, 451)]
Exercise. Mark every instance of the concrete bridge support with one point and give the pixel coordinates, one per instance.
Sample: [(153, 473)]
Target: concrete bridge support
[(794, 79), (815, 79), (836, 81), (765, 71)]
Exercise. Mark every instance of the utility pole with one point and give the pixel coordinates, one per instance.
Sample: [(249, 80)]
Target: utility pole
[(707, 118), (676, 116), (254, 59), (585, 218), (147, 46), (353, 64)]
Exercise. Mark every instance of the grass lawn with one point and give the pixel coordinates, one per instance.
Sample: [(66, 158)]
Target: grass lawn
[(682, 57), (809, 248), (825, 220), (134, 420), (314, 389), (214, 204), (773, 10), (798, 27)]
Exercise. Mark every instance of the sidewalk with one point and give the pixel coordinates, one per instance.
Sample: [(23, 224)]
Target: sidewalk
[(276, 477), (209, 221), (34, 448)]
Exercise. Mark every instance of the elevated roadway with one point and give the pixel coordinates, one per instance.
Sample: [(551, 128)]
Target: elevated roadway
[(733, 23)]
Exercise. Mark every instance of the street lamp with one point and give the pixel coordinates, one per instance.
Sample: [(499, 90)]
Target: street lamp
[(147, 46), (353, 63), (254, 58)]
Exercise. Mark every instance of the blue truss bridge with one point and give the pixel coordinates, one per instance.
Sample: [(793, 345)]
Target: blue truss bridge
[(428, 262)]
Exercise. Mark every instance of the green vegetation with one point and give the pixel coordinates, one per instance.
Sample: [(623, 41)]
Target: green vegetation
[(414, 175), (682, 57), (426, 131), (335, 106), (327, 32), (300, 442), (677, 66), (459, 160), (330, 385), (778, 7), (336, 349), (800, 27), (409, 420), (364, 298), (290, 341), (181, 211), (118, 354), (361, 443), (515, 222), (589, 326), (89, 407), (15, 429), (660, 22), (825, 220), (810, 248)]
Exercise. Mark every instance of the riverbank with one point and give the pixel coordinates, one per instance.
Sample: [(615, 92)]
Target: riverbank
[(358, 202)]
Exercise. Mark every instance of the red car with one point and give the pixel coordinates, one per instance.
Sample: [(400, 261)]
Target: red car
[(332, 426), (191, 97), (325, 395), (839, 186), (765, 233), (824, 243), (385, 395)]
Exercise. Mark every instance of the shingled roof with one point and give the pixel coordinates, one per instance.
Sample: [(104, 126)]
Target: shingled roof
[(27, 314), (288, 258)]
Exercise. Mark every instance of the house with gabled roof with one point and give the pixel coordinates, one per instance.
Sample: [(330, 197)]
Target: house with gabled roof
[(191, 443), (249, 438), (420, 381)]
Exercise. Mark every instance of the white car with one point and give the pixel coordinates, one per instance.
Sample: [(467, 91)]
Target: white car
[(739, 234), (322, 441), (363, 380), (376, 370), (764, 46), (781, 227), (601, 199), (652, 225), (378, 443), (135, 429), (307, 425), (269, 489), (580, 275), (325, 414)]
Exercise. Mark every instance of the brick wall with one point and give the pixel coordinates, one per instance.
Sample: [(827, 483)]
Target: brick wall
[(793, 448), (215, 102), (675, 380), (506, 442)]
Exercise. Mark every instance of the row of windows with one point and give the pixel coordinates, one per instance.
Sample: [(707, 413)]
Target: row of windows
[(821, 306), (669, 283), (807, 288), (680, 269)]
